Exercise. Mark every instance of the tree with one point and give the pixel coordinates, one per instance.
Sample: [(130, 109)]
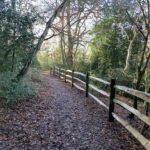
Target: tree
[(40, 41), (137, 17), (143, 27), (107, 42), (73, 26), (16, 36)]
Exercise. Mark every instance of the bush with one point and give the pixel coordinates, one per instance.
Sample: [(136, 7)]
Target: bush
[(122, 77), (35, 74), (11, 91)]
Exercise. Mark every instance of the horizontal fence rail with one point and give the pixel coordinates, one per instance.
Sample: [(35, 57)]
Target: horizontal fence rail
[(99, 80), (85, 83), (68, 76), (69, 71), (99, 91), (81, 74), (139, 94), (77, 79), (145, 142)]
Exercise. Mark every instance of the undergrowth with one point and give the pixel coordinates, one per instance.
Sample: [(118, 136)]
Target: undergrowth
[(12, 92)]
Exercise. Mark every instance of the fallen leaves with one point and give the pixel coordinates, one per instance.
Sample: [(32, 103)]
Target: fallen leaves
[(60, 118)]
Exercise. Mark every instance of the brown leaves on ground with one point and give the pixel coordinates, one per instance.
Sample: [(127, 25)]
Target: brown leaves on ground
[(61, 118)]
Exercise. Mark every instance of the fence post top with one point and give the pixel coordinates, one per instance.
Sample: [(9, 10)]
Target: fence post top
[(113, 81), (113, 78)]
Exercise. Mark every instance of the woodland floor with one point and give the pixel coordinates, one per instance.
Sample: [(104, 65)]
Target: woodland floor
[(61, 118)]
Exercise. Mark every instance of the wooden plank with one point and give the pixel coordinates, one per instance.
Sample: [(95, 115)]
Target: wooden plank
[(68, 76), (99, 80), (78, 87), (99, 91), (145, 142), (139, 94), (141, 116), (72, 78), (69, 71), (69, 81), (62, 77), (87, 85), (79, 80), (61, 73), (81, 74), (98, 100), (111, 99), (147, 146)]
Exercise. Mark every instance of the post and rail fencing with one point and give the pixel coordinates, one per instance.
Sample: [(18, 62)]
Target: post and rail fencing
[(82, 82)]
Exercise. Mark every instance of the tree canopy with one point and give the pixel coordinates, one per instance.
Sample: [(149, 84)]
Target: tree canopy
[(112, 37)]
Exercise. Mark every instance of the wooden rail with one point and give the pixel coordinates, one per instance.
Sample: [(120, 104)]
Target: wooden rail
[(73, 77), (99, 101), (145, 142), (99, 80), (77, 79), (81, 74), (141, 116), (68, 76), (139, 94), (99, 91)]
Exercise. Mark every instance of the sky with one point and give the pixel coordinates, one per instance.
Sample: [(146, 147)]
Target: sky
[(43, 5)]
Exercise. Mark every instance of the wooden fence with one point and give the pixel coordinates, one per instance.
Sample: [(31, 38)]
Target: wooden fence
[(82, 82)]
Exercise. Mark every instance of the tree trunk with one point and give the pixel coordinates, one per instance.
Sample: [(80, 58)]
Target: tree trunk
[(142, 66), (62, 49), (13, 60), (129, 52), (13, 3), (41, 40), (62, 42), (70, 40)]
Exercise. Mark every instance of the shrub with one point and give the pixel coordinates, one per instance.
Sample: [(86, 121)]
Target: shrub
[(122, 77), (11, 91), (35, 74)]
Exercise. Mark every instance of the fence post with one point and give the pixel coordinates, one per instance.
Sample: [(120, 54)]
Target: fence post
[(65, 75), (54, 70), (59, 73), (87, 84), (72, 78), (147, 104), (111, 100), (49, 70), (145, 127)]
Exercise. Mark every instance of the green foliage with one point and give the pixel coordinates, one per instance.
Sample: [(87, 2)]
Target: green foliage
[(109, 50), (35, 74), (108, 47), (123, 78), (43, 59), (16, 37), (81, 62), (51, 59), (12, 91)]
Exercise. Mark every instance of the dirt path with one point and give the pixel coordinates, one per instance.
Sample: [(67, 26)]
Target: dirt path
[(60, 118)]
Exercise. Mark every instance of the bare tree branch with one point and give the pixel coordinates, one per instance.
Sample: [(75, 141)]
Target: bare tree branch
[(137, 26), (41, 40)]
